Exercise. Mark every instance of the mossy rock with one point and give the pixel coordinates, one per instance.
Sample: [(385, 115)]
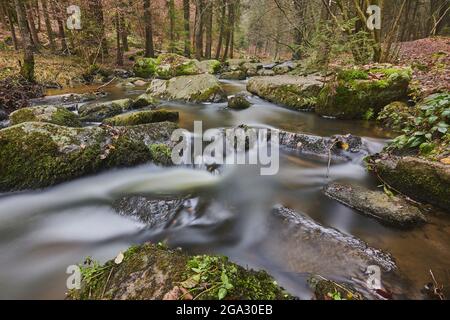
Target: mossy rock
[(238, 102), (171, 65), (37, 154), (100, 111), (145, 67), (197, 88), (51, 114), (210, 66), (144, 100), (142, 117), (396, 116), (234, 75), (153, 272), (298, 93), (161, 154), (423, 180), (325, 289), (355, 93)]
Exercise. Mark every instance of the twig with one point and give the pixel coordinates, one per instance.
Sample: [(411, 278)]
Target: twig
[(107, 280), (105, 85), (329, 157), (437, 289)]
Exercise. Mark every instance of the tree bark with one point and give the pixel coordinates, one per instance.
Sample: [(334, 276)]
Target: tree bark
[(32, 26), (199, 29), (221, 28), (171, 13), (228, 29), (27, 67), (149, 50), (118, 23), (12, 29), (48, 26), (209, 26), (187, 28)]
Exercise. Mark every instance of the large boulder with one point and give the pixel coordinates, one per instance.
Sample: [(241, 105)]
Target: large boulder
[(145, 67), (98, 112), (389, 209), (198, 88), (37, 154), (142, 117), (360, 94), (420, 179), (252, 68), (171, 65), (298, 93), (144, 100), (234, 75), (51, 114), (153, 272), (209, 66)]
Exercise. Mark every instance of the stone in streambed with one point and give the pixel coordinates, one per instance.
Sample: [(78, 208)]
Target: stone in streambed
[(239, 102), (198, 88), (419, 179), (144, 100), (295, 92), (153, 272), (234, 75), (209, 66), (99, 111), (142, 117), (391, 210), (37, 154), (51, 114)]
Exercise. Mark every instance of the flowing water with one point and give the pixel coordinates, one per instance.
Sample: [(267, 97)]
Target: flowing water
[(43, 232)]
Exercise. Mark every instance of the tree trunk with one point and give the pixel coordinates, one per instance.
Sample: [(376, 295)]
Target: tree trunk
[(12, 29), (228, 29), (48, 25), (149, 50), (221, 28), (199, 29), (118, 23), (171, 13), (209, 25), (32, 26), (187, 29), (27, 68)]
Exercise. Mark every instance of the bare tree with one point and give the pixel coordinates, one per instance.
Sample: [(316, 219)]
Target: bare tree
[(27, 67), (149, 49)]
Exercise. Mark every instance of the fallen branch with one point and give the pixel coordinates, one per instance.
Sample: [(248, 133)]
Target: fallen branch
[(105, 85)]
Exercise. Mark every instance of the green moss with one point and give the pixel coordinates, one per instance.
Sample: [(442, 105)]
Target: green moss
[(396, 116), (145, 67), (171, 65), (348, 75), (161, 154), (325, 289), (142, 117)]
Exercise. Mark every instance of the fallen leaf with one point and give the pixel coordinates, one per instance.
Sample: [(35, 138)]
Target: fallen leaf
[(445, 161), (119, 258)]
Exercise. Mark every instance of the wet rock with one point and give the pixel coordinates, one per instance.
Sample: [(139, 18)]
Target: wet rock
[(209, 66), (151, 272), (199, 88), (333, 243), (269, 66), (144, 100), (298, 93), (238, 102), (37, 154), (153, 212), (234, 75), (3, 115), (142, 117), (396, 116), (325, 289), (252, 68), (266, 73), (284, 67), (235, 64), (51, 114), (359, 94), (140, 83), (99, 111), (420, 179), (69, 98), (391, 210), (122, 73), (341, 148)]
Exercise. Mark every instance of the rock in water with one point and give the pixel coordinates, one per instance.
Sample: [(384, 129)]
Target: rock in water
[(234, 75), (51, 114), (295, 92), (199, 88), (144, 100), (100, 111), (142, 117), (423, 180), (209, 66), (390, 210), (36, 154), (239, 101), (151, 272), (331, 242), (359, 94)]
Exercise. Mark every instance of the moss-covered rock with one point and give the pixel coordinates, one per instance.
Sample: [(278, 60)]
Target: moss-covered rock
[(51, 114), (37, 154), (198, 88), (152, 272), (171, 65), (423, 180), (145, 67), (298, 93), (144, 100), (210, 66), (99, 111), (234, 75), (252, 68), (161, 154), (356, 93), (325, 289), (396, 116), (142, 117), (238, 102)]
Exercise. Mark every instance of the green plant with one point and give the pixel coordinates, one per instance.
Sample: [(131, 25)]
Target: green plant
[(430, 125)]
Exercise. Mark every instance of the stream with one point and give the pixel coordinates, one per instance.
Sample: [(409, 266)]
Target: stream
[(43, 232)]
